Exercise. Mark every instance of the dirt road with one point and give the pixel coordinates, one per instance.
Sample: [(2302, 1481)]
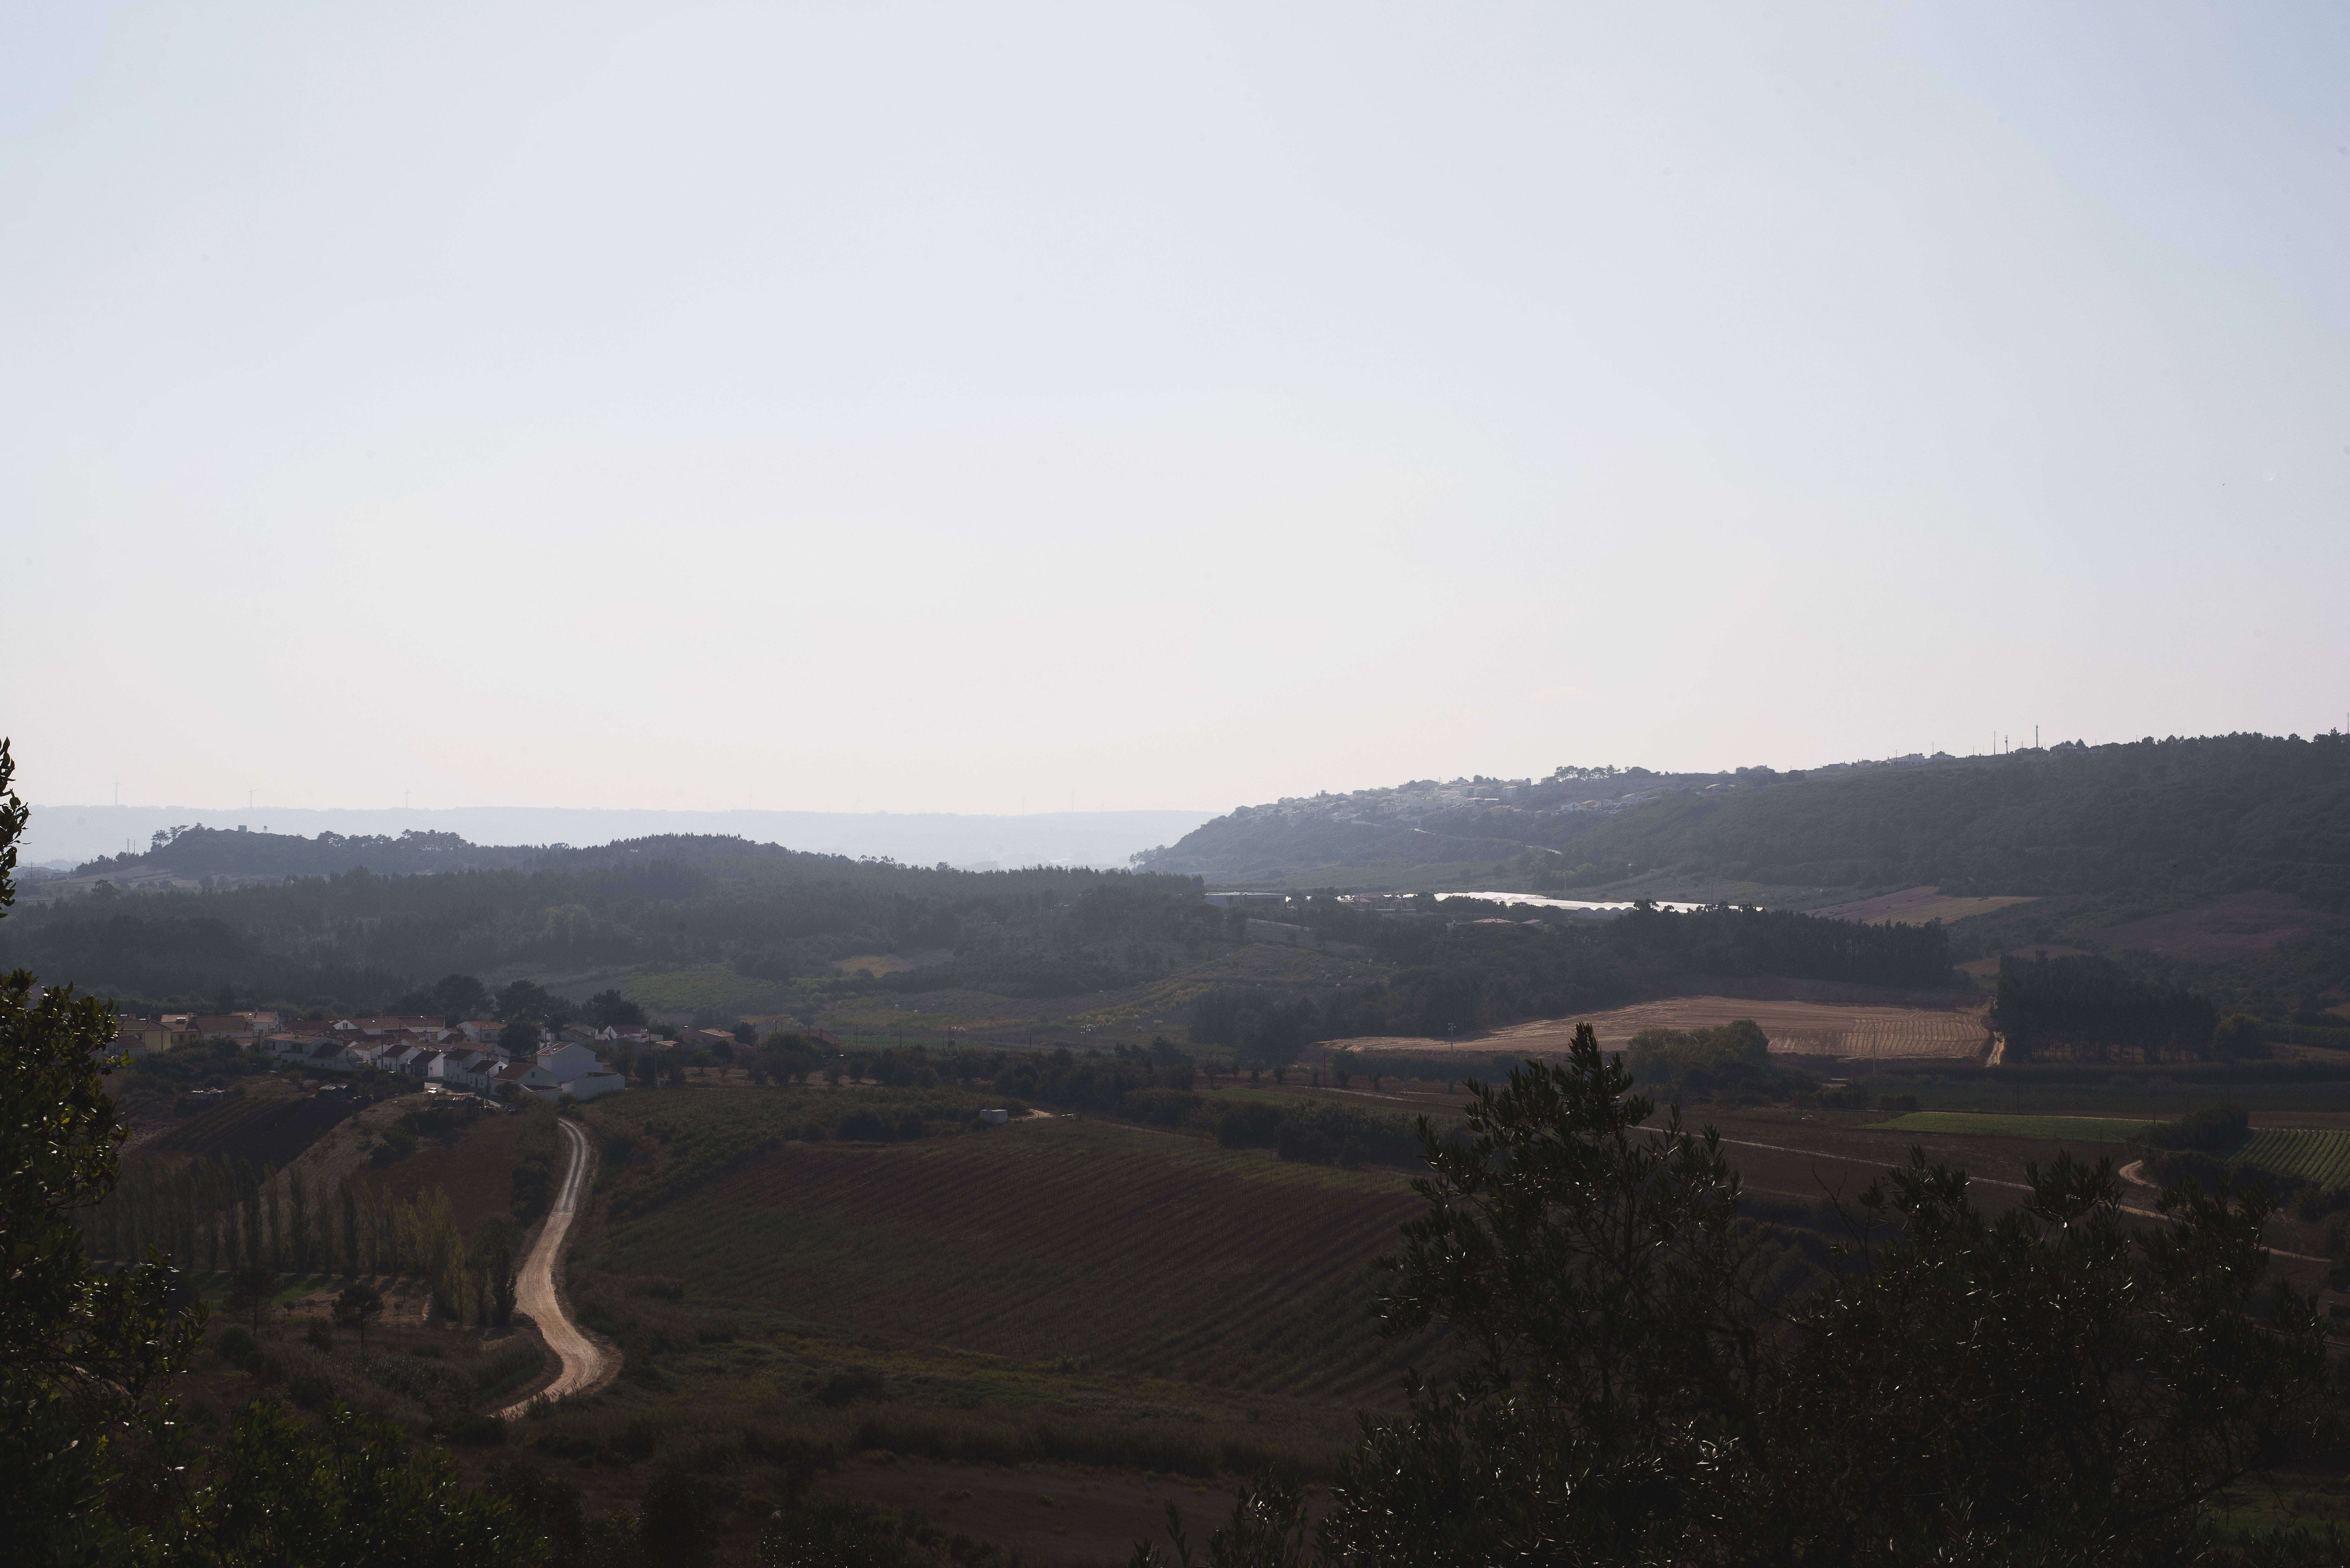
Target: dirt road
[(585, 1363)]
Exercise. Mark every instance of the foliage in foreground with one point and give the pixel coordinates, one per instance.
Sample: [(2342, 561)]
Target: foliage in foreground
[(2047, 1386)]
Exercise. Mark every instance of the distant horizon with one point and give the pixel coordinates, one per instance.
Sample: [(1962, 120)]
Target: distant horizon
[(137, 820), (1209, 404), (75, 833)]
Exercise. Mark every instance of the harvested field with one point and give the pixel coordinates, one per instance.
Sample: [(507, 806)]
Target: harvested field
[(1916, 906), (1852, 1031)]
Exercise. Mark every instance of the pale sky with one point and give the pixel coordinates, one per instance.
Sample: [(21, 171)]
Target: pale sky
[(1002, 408)]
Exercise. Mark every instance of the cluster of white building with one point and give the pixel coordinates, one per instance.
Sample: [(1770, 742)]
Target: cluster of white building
[(554, 1070), (466, 1057)]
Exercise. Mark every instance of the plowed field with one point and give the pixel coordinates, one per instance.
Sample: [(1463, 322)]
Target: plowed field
[(1803, 1028), (1143, 1253)]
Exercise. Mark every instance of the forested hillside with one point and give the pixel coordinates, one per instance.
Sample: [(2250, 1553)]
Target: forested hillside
[(198, 853), (2179, 817), (360, 937)]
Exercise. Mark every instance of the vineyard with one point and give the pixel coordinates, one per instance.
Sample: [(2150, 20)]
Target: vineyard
[(1138, 1252), (262, 1130), (2318, 1155)]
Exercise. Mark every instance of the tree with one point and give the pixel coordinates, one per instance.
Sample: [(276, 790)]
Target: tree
[(519, 1038), (349, 1489), (462, 996), (1598, 1279), (85, 1356), (2240, 1035), (2056, 1385), (97, 1471), (358, 1305), (610, 1009), (524, 1002), (250, 1288), (2051, 1385)]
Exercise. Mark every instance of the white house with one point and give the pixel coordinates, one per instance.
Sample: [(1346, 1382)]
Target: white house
[(332, 1056), (576, 1069), (462, 1069), (569, 1060), (518, 1078)]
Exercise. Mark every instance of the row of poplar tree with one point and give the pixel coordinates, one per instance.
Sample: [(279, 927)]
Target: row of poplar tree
[(221, 1213)]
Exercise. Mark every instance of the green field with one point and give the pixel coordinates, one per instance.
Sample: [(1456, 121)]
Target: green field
[(2322, 1156), (2048, 1129)]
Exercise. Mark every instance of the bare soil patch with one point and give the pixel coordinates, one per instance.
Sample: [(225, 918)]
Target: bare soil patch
[(1916, 906)]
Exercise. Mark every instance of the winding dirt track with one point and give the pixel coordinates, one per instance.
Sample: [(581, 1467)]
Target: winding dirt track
[(585, 1363)]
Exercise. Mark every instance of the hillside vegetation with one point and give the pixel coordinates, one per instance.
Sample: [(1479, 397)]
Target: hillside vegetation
[(2181, 817), (762, 912)]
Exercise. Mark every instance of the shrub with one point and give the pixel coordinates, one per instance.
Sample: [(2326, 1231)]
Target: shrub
[(2213, 1129), (473, 1431), (2239, 1035)]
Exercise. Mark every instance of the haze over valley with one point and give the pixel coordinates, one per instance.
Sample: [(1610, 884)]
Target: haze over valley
[(1311, 787)]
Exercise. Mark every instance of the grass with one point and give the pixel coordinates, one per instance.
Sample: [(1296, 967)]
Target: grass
[(2320, 1154), (1989, 1123)]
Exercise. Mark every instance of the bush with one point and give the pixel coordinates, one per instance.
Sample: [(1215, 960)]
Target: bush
[(1733, 1059), (848, 1384), (473, 1431), (2214, 1129), (2240, 1035)]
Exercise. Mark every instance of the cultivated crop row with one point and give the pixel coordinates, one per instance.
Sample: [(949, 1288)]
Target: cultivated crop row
[(2319, 1155), (1132, 1250)]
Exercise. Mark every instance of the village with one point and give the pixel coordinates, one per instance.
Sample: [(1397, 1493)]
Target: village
[(501, 1061)]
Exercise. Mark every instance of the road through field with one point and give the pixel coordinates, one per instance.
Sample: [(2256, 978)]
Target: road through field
[(584, 1361)]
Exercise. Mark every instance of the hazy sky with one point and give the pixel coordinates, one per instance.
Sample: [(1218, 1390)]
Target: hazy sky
[(987, 407)]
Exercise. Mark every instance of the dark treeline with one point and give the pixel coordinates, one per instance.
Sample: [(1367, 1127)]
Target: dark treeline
[(360, 937), (202, 852), (2089, 1007), (1470, 976)]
